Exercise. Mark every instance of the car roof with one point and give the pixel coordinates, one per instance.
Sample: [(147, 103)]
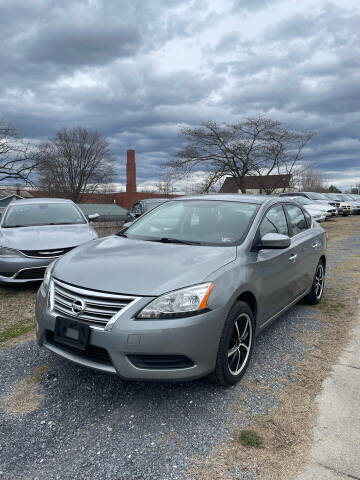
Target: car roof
[(233, 197), (40, 200)]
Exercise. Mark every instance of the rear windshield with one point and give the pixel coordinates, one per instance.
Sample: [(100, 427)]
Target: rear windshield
[(150, 205), (28, 215), (204, 222)]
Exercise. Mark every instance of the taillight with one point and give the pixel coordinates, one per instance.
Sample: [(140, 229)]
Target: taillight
[(326, 236)]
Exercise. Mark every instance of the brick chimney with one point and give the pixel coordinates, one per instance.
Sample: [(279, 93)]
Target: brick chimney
[(130, 172)]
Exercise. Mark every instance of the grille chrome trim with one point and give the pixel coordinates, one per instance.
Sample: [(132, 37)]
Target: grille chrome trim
[(102, 309), (49, 253)]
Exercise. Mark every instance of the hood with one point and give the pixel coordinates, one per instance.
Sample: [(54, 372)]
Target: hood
[(46, 236), (136, 267), (318, 207)]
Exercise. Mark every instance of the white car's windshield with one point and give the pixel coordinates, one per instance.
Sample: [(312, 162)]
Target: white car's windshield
[(28, 215), (317, 196), (209, 222), (302, 200)]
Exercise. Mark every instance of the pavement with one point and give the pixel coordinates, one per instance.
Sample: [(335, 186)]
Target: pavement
[(335, 453)]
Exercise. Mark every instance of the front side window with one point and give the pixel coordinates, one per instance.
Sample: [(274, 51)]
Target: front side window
[(274, 222), (297, 219), (28, 215), (209, 222)]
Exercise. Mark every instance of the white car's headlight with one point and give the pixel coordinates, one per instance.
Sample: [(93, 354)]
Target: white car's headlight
[(9, 252), (180, 303), (47, 275)]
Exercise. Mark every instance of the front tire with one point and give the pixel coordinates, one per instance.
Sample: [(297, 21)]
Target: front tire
[(235, 346), (317, 288)]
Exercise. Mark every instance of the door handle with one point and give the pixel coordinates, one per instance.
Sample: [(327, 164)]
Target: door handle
[(315, 244), (293, 257)]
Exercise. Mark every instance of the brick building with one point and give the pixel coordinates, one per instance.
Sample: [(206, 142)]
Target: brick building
[(124, 199)]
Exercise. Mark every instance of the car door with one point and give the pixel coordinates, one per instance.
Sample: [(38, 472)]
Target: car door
[(304, 248), (275, 269)]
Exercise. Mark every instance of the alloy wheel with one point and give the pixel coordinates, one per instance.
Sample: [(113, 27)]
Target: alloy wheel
[(240, 343), (319, 281)]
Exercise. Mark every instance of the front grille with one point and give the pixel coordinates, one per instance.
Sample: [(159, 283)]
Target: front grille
[(34, 273), (160, 362), (97, 354), (98, 307), (49, 253)]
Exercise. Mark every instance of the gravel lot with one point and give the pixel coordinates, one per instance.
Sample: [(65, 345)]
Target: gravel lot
[(61, 421)]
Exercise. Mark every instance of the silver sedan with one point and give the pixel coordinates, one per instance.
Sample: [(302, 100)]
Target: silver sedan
[(34, 232), (184, 290)]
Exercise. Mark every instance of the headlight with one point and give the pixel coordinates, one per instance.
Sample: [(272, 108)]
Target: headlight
[(47, 276), (185, 302), (9, 252)]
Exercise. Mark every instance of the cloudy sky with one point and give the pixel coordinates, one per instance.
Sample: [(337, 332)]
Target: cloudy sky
[(137, 69)]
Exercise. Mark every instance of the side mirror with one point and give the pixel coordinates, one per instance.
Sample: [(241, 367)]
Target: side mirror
[(275, 241), (93, 217)]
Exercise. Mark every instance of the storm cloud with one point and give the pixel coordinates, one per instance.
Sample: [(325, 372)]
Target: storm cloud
[(135, 70)]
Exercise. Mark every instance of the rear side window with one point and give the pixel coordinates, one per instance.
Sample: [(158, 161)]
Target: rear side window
[(297, 219), (274, 222), (308, 218)]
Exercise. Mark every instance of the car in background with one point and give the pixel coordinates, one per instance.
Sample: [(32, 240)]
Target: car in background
[(321, 212), (34, 232), (323, 198), (355, 204), (176, 303), (345, 208), (141, 207)]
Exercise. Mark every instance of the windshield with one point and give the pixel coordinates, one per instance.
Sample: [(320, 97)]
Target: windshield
[(302, 200), (347, 197), (317, 196), (204, 222), (333, 196), (28, 215)]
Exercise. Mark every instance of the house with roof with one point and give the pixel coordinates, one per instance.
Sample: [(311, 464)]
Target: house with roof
[(8, 195), (266, 184)]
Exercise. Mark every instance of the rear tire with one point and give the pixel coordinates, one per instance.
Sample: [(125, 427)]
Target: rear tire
[(235, 346), (317, 288)]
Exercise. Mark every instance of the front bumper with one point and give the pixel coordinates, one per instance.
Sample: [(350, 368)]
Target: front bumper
[(19, 269), (195, 338)]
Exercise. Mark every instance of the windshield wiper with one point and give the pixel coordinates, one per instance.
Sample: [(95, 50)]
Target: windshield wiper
[(16, 226), (175, 240), (119, 234)]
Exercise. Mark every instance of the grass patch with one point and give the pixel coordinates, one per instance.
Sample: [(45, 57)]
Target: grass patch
[(16, 329), (249, 438), (26, 396)]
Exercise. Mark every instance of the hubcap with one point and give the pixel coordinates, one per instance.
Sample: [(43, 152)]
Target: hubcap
[(319, 281), (240, 344)]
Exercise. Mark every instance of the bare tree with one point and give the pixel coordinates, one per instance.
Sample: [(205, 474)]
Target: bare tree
[(258, 146), (166, 183), (311, 180), (18, 158), (75, 163)]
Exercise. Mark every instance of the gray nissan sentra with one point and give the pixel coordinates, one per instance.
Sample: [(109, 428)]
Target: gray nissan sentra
[(33, 232), (184, 290)]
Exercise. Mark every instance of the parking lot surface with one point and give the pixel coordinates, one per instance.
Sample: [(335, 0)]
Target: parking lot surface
[(62, 421)]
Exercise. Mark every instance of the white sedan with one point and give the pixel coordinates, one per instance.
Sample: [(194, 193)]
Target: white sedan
[(318, 211)]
